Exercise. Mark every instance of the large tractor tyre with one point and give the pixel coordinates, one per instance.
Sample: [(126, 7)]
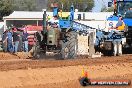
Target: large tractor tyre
[(64, 50), (70, 46), (109, 48), (72, 43), (108, 52), (36, 51), (36, 47)]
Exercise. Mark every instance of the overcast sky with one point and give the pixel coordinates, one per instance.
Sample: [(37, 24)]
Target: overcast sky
[(99, 4)]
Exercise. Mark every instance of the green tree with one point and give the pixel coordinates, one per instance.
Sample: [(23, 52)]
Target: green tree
[(105, 9), (81, 5), (8, 6), (24, 5), (5, 8), (111, 9)]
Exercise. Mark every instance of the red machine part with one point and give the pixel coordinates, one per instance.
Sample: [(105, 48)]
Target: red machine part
[(31, 30)]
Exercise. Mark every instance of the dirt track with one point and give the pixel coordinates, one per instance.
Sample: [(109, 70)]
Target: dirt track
[(27, 73), (14, 62)]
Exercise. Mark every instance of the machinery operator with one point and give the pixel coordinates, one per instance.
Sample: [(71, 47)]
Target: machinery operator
[(120, 26), (54, 22)]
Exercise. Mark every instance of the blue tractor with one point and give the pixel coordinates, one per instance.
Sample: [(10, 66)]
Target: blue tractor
[(61, 39), (114, 42)]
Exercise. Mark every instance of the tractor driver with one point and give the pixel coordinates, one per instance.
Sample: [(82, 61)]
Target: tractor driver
[(54, 22), (120, 26)]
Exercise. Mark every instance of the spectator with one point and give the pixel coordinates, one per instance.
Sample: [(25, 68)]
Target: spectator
[(15, 40), (4, 43), (25, 40), (9, 41)]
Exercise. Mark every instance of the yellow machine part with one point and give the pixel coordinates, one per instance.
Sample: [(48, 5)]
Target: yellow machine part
[(84, 73), (63, 14), (49, 17), (122, 27)]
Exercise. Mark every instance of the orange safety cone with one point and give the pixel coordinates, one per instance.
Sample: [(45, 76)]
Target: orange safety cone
[(84, 80), (84, 73)]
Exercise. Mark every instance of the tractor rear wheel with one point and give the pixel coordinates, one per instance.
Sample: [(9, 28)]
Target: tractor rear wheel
[(37, 46), (69, 46), (36, 50)]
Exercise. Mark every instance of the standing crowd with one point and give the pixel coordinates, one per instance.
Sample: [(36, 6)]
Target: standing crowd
[(11, 40)]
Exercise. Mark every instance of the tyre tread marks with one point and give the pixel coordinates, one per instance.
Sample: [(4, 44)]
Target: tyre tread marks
[(72, 42)]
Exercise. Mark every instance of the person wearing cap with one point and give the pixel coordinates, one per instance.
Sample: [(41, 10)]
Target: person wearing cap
[(9, 41), (15, 39)]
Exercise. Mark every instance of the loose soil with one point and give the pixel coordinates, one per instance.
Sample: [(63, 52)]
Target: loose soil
[(18, 71)]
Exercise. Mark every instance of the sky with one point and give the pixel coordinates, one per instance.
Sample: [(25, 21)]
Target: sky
[(99, 4)]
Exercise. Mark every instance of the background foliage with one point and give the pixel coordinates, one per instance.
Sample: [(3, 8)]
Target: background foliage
[(8, 6), (105, 9), (81, 5)]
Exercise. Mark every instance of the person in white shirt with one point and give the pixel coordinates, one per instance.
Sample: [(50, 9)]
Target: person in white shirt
[(54, 22)]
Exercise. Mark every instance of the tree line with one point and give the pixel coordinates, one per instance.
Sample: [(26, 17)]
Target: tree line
[(81, 5), (8, 6)]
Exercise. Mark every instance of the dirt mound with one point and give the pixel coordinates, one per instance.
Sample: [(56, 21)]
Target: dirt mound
[(19, 55), (7, 56)]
